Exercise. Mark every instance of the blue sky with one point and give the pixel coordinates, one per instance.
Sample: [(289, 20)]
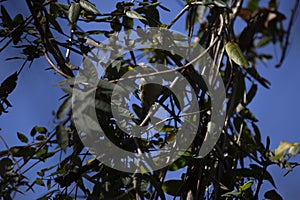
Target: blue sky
[(36, 95)]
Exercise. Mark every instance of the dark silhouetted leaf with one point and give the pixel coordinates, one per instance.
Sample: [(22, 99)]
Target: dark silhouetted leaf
[(6, 19), (272, 195), (264, 82), (173, 187), (22, 137), (8, 85)]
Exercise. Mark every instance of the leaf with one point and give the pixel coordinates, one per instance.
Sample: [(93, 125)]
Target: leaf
[(234, 53), (40, 129), (64, 107), (6, 19), (280, 151), (272, 195), (21, 151), (62, 136), (133, 14), (127, 23), (178, 164), (295, 149), (74, 12), (251, 94), (220, 3), (89, 7), (22, 137), (264, 82), (89, 70), (40, 182), (56, 25), (18, 20), (246, 186), (156, 184), (253, 5), (173, 187), (232, 194), (164, 8), (8, 85), (245, 14)]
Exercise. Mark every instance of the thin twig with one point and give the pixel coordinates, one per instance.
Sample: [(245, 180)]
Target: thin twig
[(293, 12), (54, 66)]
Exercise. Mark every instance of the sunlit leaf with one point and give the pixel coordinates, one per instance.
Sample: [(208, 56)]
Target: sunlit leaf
[(86, 5), (232, 194), (280, 151), (234, 53), (133, 14), (74, 12), (295, 149), (246, 186)]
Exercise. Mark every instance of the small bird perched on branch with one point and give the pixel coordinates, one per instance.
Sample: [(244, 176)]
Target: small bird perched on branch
[(150, 89)]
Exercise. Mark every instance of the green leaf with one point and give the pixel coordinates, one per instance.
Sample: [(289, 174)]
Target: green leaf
[(232, 194), (178, 164), (89, 7), (6, 19), (127, 23), (295, 149), (40, 182), (246, 186), (22, 137), (173, 187), (253, 5), (272, 195), (280, 151), (40, 129), (133, 14), (74, 12), (234, 53)]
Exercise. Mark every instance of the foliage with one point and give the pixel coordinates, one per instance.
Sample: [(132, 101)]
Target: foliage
[(53, 27)]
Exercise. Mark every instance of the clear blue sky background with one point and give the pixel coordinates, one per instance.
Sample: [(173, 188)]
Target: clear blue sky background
[(36, 95)]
